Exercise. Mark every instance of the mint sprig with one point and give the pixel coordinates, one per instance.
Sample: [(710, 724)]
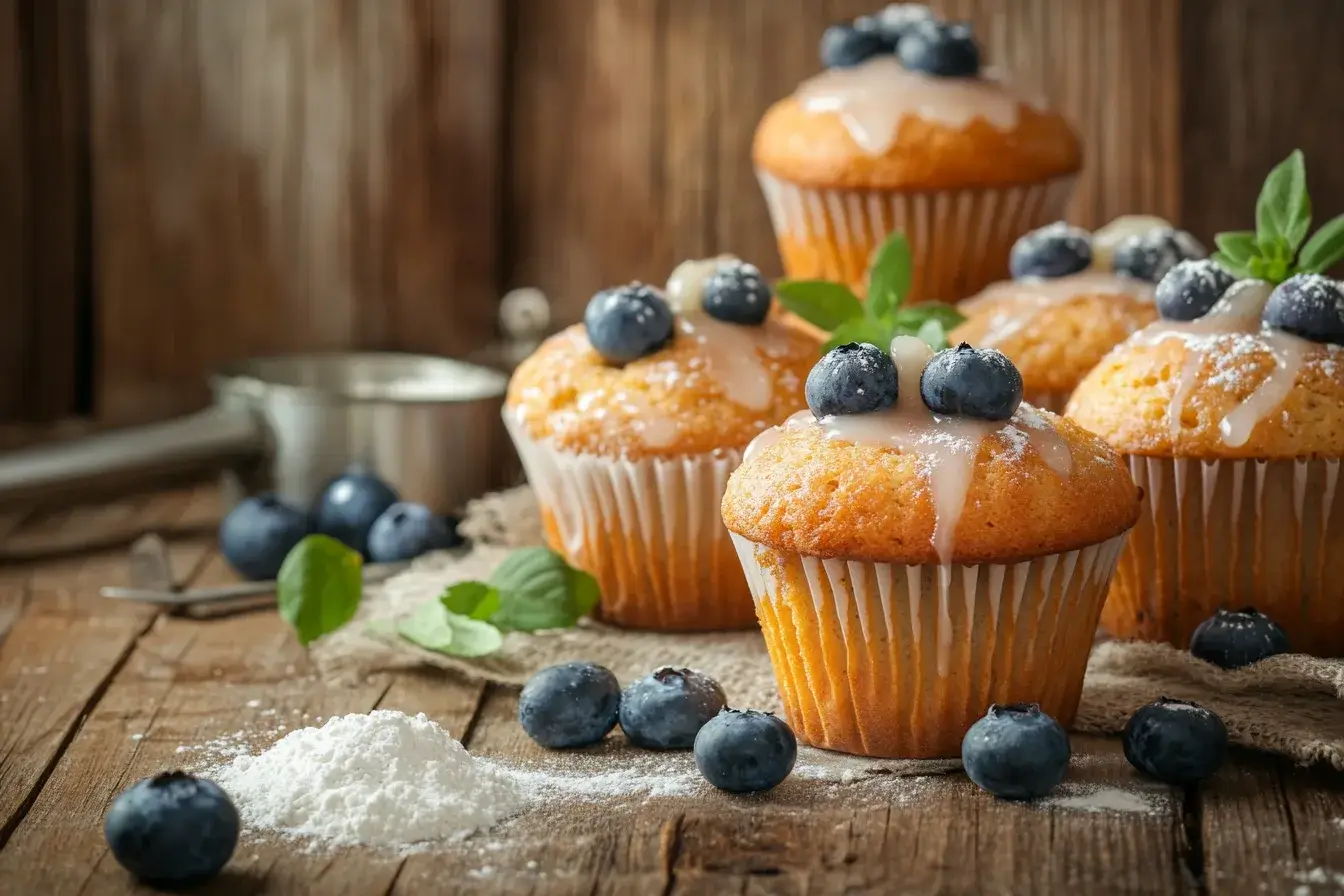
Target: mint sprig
[(835, 308), (1279, 248), (321, 584)]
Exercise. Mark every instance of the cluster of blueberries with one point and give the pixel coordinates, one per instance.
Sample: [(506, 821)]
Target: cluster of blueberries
[(1018, 752), (626, 323), (356, 508), (910, 32), (860, 378), (1058, 250), (577, 704)]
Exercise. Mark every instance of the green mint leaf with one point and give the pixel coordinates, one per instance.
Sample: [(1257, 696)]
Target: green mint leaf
[(933, 334), (889, 276), (1239, 269), (476, 600), (538, 590), (1258, 268), (319, 586), (912, 318), (1283, 211), (819, 302), (434, 628), (1324, 249), (1238, 246), (861, 329)]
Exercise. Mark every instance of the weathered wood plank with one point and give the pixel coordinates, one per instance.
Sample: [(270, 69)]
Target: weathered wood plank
[(14, 198), (326, 173)]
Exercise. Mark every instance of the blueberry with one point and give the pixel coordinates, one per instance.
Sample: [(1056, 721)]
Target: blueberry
[(844, 46), (348, 507), (1052, 251), (1310, 306), (1148, 256), (256, 535), (736, 293), (569, 705), (944, 49), (899, 19), (971, 382), (406, 530), (1016, 752), (1175, 741), (172, 829), (854, 378), (1235, 638), (745, 751), (1191, 288), (665, 710), (626, 323)]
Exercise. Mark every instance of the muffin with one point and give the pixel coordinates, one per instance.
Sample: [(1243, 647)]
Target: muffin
[(921, 545), (905, 131), (1230, 412), (629, 424), (1074, 296)]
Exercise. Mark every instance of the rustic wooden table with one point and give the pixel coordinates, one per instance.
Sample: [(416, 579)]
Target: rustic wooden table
[(95, 694)]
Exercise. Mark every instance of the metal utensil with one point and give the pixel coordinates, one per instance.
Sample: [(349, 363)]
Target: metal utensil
[(429, 426)]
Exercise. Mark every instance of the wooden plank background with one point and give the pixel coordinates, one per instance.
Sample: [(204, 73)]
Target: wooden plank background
[(185, 182)]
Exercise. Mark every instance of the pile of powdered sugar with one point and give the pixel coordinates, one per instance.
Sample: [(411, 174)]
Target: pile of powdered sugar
[(382, 779)]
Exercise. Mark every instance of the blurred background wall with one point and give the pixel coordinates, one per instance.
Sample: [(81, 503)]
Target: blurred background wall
[(185, 182)]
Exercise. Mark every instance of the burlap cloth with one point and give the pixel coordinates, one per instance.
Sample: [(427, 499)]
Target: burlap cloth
[(1292, 705)]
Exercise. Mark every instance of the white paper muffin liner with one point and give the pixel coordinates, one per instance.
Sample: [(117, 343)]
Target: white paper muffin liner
[(959, 239), (650, 532), (1231, 534), (899, 661)]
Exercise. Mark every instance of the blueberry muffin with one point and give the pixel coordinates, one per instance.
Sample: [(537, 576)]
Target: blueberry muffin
[(1072, 298), (921, 544), (629, 424), (906, 131)]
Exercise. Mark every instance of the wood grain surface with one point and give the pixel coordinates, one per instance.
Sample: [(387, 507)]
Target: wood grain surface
[(95, 694)]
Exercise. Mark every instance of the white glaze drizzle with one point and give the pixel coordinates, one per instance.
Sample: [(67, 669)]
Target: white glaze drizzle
[(873, 99), (1031, 296)]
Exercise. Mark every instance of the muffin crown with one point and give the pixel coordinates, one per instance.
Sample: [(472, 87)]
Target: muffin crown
[(905, 485), (712, 384)]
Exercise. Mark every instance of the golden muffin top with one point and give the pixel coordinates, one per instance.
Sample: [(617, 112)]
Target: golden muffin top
[(1252, 371), (881, 125), (946, 466), (649, 375)]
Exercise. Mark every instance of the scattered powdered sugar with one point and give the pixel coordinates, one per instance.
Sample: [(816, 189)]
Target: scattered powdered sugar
[(1325, 876), (382, 779), (1102, 798), (658, 775)]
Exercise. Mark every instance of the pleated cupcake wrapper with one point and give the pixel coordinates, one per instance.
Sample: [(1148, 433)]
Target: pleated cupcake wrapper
[(1048, 401), (1231, 534), (649, 531), (959, 239), (899, 661)]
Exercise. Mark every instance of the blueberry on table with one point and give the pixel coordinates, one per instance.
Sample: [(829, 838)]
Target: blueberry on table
[(406, 531), (667, 708), (1231, 639), (736, 293), (1016, 752), (1149, 256), (943, 49), (257, 535), (1191, 288), (854, 378), (1055, 250), (569, 705), (350, 505), (1310, 306), (627, 323), (172, 829), (1175, 741), (971, 382), (844, 46), (745, 751)]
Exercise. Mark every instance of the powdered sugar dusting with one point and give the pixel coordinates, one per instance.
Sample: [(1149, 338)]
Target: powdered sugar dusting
[(1104, 798)]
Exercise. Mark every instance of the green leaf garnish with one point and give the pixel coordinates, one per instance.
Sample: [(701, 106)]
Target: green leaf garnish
[(833, 307), (1282, 222), (539, 590), (319, 586), (434, 628), (474, 599)]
